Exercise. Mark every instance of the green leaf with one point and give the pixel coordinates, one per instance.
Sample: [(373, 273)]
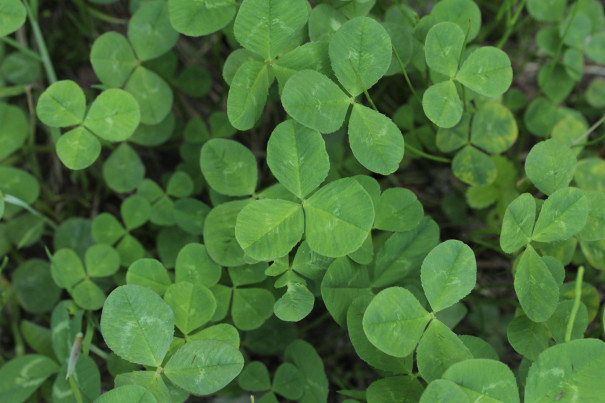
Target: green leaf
[(338, 218), (486, 380), (12, 16), (195, 266), (148, 380), (203, 367), (219, 234), (465, 13), (535, 286), (88, 295), (527, 337), (594, 49), (137, 325), (149, 273), (114, 115), (394, 321), (222, 332), (255, 377), (494, 128), (550, 165), (563, 215), (152, 93), (443, 46), (229, 167), (135, 211), (193, 305), (473, 167), (123, 171), (20, 377), (190, 215), (112, 59), (394, 389), (547, 10), (289, 381), (557, 323), (62, 104), (150, 32), (308, 263), (248, 95), (305, 358), (486, 71), (251, 307), (448, 274), (590, 174), (567, 370), (366, 350), (127, 393), (375, 140), (195, 18), (297, 157), (575, 29), (14, 129), (518, 223), (402, 254), (267, 27), (324, 21), (342, 284), (451, 139), (313, 100), (398, 210), (595, 223), (442, 390), (33, 286), (268, 229), (295, 304), (106, 229), (78, 148), (442, 105), (310, 56), (360, 52), (438, 349), (180, 185), (101, 261)]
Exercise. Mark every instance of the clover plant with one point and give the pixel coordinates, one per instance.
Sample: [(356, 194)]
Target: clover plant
[(302, 200)]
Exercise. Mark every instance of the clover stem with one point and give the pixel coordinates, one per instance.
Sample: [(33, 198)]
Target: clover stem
[(428, 156), (48, 66), (10, 199), (510, 24), (75, 390), (405, 74), (21, 48), (363, 87), (576, 304), (102, 354), (561, 42), (587, 133), (406, 15)]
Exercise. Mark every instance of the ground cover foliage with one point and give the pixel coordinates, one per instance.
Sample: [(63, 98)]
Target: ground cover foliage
[(292, 200)]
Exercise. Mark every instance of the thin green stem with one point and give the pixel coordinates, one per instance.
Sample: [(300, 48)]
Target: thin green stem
[(365, 91), (18, 202), (576, 304), (510, 25), (562, 41), (405, 74), (97, 351), (428, 156), (48, 65), (587, 133), (21, 48)]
